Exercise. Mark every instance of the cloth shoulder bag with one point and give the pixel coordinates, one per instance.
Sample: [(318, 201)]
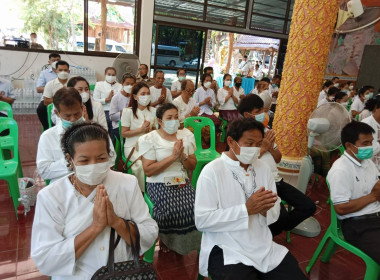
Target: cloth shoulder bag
[(128, 270)]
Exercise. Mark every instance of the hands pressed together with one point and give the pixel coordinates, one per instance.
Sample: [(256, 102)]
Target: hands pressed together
[(268, 142), (261, 201)]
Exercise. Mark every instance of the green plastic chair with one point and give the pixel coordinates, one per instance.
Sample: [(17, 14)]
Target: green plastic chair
[(49, 108), (123, 157), (203, 156), (335, 236), (10, 168), (148, 256), (223, 127), (4, 106)]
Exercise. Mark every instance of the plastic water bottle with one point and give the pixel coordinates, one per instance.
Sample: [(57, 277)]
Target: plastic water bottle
[(21, 211), (26, 202)]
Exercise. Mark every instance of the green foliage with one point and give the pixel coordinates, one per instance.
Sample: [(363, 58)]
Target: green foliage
[(57, 20)]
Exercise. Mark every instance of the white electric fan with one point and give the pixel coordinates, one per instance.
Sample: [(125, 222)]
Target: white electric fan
[(126, 63), (323, 128)]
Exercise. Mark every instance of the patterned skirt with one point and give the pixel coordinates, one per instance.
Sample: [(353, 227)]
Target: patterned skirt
[(229, 115)]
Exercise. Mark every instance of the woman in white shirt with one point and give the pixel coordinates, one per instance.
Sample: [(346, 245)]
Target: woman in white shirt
[(93, 110), (238, 89), (120, 101), (370, 105), (330, 96), (358, 105), (137, 120), (74, 215), (167, 156), (185, 103), (227, 100), (176, 85), (104, 91), (342, 99)]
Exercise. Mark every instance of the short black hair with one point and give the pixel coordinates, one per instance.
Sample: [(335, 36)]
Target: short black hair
[(163, 108), (67, 96), (370, 104), (156, 72), (181, 69), (128, 76), (327, 84), (226, 75), (334, 78), (203, 78), (332, 91), (340, 96), (368, 87), (81, 133), (237, 127), (350, 133), (147, 68), (362, 90), (277, 76), (265, 79), (61, 62), (245, 56), (250, 102), (207, 69), (33, 33), (54, 55), (377, 102)]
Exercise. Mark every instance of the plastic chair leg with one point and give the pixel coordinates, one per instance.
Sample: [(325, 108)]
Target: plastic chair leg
[(196, 173), (288, 236), (117, 151), (329, 251), (19, 168), (14, 190), (318, 251), (148, 256), (372, 270)]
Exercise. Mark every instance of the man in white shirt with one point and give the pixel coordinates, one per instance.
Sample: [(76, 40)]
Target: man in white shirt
[(51, 162), (257, 73), (244, 66), (325, 88), (159, 94), (62, 70), (355, 190), (235, 202), (274, 89), (374, 122), (359, 103), (330, 97), (176, 85)]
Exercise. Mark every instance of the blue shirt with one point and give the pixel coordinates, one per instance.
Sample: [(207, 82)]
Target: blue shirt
[(46, 76)]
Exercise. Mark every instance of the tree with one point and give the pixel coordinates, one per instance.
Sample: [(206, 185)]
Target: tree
[(57, 20)]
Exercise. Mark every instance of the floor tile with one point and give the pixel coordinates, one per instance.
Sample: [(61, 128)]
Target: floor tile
[(8, 264), (32, 276), (8, 238), (24, 262)]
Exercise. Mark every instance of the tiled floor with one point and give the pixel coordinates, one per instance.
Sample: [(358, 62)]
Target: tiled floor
[(15, 261)]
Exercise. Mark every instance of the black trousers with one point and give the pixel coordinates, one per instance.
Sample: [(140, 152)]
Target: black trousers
[(288, 269), (42, 115), (303, 207), (364, 234)]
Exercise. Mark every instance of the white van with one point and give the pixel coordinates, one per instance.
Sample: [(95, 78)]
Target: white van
[(167, 55), (111, 45)]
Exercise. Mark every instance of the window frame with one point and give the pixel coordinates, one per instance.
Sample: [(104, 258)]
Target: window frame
[(86, 52)]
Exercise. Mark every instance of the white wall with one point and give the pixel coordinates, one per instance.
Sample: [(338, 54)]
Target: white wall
[(147, 12)]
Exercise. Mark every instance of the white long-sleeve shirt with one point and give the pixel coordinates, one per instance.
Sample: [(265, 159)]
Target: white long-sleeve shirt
[(230, 104), (62, 213), (51, 162), (200, 95), (221, 214), (102, 91), (118, 103)]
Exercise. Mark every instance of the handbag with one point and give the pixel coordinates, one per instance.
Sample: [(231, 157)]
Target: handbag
[(128, 270)]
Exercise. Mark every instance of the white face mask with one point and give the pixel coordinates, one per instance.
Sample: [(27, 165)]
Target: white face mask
[(63, 75), (351, 87), (181, 78), (85, 96), (331, 98), (92, 174), (207, 84), (144, 100), (247, 154), (336, 85), (227, 83), (171, 127), (54, 64), (128, 88), (110, 79), (366, 97)]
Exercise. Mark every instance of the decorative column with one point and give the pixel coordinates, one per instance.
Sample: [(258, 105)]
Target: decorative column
[(310, 36)]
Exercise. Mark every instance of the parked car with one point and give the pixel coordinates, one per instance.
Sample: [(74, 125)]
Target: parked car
[(192, 63), (167, 55), (111, 45)]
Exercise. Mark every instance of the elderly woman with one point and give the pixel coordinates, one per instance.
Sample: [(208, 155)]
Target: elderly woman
[(74, 215), (167, 155), (185, 103)]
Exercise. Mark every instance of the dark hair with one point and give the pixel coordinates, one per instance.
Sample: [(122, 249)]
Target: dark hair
[(207, 69), (335, 78), (67, 96), (128, 76), (61, 62), (203, 78), (132, 101), (265, 79), (156, 72), (339, 96), (377, 102), (226, 76), (147, 68), (370, 104), (237, 127), (54, 55), (109, 68), (250, 102), (184, 83), (33, 33), (350, 133), (236, 78), (163, 108), (181, 69), (277, 76), (81, 133), (245, 56), (327, 84), (368, 87), (71, 83), (362, 91), (332, 91)]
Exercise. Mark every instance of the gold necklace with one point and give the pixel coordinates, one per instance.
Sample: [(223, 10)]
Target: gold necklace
[(78, 188)]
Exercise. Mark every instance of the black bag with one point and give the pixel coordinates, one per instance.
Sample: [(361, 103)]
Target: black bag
[(129, 270)]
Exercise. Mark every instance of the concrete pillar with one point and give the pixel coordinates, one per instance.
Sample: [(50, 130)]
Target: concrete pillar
[(146, 27)]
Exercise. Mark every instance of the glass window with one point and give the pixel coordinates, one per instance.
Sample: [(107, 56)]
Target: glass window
[(180, 8), (275, 8), (58, 25), (267, 23), (233, 4), (117, 35), (225, 16)]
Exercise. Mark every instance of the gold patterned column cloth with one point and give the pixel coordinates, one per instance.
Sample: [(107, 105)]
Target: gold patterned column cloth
[(310, 36)]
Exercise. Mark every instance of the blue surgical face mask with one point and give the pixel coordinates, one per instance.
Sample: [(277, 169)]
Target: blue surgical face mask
[(66, 124), (260, 117), (364, 152)]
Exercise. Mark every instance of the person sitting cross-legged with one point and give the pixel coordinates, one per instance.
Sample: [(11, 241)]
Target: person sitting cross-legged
[(355, 189), (235, 203)]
